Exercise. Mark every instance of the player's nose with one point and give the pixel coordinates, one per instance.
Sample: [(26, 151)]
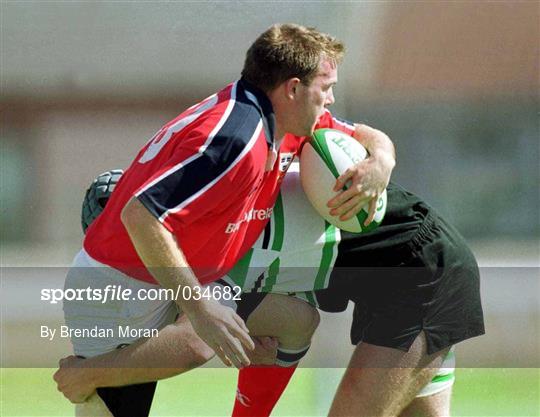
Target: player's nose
[(330, 98)]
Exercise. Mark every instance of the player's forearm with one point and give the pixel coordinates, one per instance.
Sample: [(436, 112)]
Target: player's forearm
[(378, 144), (175, 350), (159, 251)]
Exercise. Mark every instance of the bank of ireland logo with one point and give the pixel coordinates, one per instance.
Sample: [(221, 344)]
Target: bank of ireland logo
[(253, 214)]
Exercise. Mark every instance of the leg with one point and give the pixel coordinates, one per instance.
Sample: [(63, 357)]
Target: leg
[(177, 349), (292, 322), (434, 399), (381, 381)]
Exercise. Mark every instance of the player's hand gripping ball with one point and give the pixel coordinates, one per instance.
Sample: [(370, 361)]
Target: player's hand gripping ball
[(324, 158), (97, 195)]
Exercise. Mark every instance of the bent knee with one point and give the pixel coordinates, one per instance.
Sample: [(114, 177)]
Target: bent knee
[(310, 321), (289, 319)]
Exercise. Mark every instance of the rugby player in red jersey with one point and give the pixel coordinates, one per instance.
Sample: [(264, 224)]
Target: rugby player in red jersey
[(190, 204)]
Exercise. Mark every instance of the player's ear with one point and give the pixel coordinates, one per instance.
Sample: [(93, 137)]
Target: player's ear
[(291, 88)]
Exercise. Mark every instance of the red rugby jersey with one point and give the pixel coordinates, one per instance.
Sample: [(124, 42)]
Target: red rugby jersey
[(203, 176)]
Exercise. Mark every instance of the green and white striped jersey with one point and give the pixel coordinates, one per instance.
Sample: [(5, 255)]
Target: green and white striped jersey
[(297, 250)]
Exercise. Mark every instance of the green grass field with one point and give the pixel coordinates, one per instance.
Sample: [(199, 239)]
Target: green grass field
[(209, 392)]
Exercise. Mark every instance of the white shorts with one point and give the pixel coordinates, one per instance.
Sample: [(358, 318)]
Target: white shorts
[(98, 327)]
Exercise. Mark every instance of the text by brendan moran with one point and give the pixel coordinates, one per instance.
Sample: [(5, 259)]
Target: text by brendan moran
[(96, 332)]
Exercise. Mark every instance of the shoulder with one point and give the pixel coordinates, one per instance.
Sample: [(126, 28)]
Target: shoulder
[(235, 117)]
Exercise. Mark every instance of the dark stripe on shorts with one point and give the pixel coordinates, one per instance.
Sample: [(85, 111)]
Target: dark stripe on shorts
[(258, 283)]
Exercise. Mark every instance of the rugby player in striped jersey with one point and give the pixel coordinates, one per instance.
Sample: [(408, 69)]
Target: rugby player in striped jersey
[(415, 286)]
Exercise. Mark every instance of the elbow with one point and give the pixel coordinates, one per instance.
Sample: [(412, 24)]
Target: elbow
[(391, 147), (367, 136), (376, 142), (379, 136)]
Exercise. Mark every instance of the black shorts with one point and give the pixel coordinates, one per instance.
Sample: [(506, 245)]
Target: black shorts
[(429, 283)]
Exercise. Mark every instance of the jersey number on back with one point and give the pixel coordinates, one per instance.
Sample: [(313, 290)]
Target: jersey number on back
[(162, 137)]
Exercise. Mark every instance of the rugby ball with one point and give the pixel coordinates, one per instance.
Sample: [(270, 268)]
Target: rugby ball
[(324, 158)]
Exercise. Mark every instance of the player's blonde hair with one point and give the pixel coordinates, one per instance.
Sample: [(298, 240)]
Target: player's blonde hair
[(285, 51)]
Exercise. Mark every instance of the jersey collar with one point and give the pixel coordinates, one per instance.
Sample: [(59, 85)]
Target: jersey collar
[(261, 100)]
